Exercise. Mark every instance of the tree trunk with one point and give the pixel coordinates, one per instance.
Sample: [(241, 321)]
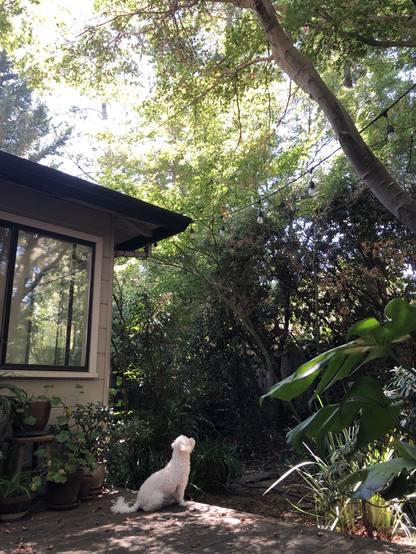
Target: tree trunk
[(303, 73)]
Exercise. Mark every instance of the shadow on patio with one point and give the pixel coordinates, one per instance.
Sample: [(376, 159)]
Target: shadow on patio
[(201, 528)]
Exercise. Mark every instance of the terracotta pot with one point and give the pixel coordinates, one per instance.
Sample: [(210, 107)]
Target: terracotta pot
[(98, 478), (40, 410), (64, 496)]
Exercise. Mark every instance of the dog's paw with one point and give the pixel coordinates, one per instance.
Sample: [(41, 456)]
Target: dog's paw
[(182, 503)]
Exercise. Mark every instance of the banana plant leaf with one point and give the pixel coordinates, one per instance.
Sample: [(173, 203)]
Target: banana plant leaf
[(406, 450), (378, 415), (379, 478), (373, 341)]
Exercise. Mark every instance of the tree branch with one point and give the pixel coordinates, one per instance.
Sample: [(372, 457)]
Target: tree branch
[(368, 40), (303, 73)]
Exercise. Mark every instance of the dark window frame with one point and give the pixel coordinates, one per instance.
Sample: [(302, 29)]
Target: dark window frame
[(5, 316)]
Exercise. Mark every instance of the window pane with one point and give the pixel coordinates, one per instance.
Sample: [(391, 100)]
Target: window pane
[(5, 235), (50, 304)]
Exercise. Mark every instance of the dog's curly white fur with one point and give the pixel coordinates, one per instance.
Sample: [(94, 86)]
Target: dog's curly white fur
[(165, 486)]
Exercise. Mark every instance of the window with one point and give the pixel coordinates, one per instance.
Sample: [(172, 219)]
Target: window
[(45, 299)]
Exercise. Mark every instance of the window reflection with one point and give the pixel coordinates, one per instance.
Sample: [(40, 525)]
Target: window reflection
[(49, 310)]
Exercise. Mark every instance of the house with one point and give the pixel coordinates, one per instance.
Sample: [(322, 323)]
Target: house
[(59, 236)]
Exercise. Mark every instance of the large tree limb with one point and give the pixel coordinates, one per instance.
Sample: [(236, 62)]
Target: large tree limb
[(304, 74)]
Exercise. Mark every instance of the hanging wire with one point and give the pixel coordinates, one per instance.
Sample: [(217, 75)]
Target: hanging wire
[(382, 114), (310, 170), (286, 185)]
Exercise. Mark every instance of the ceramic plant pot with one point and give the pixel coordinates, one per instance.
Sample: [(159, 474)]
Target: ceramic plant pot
[(40, 410), (15, 507), (64, 496)]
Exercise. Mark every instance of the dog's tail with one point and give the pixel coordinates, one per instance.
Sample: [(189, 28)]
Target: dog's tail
[(121, 506)]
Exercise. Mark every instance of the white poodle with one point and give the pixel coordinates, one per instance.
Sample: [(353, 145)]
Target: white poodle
[(165, 486)]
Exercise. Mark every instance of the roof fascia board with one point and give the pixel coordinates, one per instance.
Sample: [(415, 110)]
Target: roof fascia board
[(61, 185)]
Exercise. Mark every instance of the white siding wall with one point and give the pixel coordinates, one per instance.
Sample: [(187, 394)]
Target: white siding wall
[(44, 211)]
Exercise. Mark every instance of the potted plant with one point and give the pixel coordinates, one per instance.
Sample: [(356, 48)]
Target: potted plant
[(65, 468), (18, 489), (10, 397), (93, 420), (212, 464), (16, 494), (31, 414)]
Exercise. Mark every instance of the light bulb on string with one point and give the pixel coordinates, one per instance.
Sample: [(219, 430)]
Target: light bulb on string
[(312, 190), (222, 229), (391, 134), (260, 219), (192, 233)]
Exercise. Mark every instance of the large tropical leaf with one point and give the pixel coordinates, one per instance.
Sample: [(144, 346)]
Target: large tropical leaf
[(300, 381), (379, 413), (365, 398), (377, 477), (317, 426), (406, 450), (401, 321), (322, 419), (373, 341)]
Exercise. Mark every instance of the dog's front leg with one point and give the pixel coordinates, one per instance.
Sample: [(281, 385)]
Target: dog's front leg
[(179, 496)]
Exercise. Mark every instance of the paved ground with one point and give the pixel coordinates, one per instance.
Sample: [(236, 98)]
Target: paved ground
[(199, 528)]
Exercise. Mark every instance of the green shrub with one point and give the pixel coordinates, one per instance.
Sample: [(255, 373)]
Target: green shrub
[(131, 458), (213, 464)]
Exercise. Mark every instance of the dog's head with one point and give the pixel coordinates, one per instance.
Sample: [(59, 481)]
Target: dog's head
[(183, 444)]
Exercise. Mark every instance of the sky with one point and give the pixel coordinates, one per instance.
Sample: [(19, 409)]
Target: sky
[(87, 117), (61, 100)]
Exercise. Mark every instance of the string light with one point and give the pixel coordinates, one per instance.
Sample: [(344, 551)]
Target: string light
[(312, 189), (391, 134), (260, 219), (222, 228)]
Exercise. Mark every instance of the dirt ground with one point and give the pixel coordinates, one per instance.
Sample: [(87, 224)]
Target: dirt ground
[(264, 463), (247, 494)]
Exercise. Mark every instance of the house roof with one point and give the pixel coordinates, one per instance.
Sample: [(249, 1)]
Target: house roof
[(137, 223)]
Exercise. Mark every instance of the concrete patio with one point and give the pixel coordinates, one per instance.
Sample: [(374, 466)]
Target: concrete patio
[(199, 528)]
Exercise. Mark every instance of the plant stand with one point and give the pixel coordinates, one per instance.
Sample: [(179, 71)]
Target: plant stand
[(23, 443)]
